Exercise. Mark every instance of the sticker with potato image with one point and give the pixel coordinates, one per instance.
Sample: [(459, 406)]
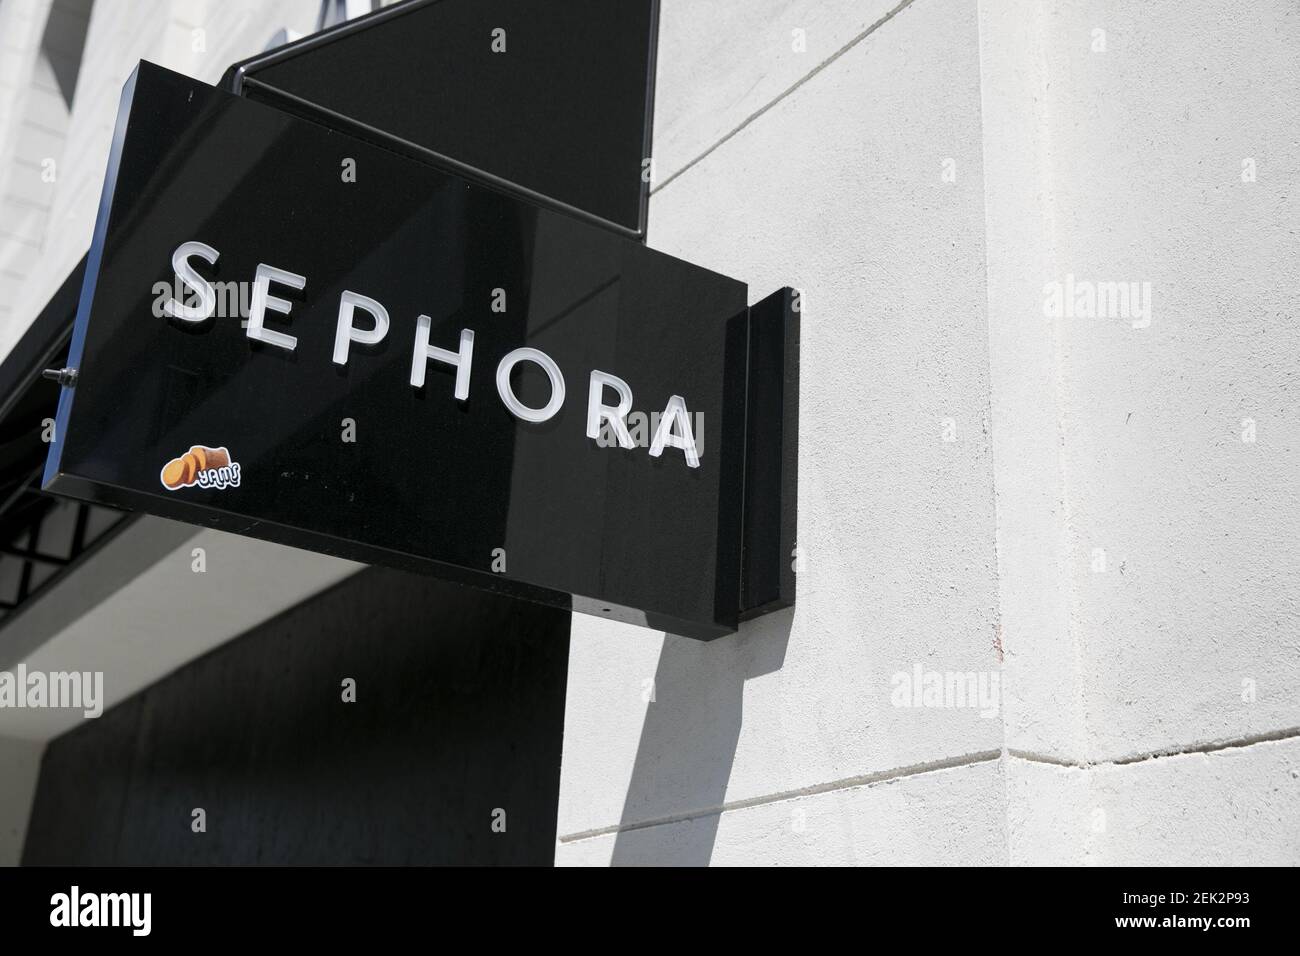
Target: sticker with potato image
[(202, 466)]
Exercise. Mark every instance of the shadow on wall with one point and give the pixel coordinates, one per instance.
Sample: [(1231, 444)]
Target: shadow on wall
[(688, 743)]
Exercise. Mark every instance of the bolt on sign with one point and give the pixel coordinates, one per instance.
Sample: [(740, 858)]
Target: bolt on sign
[(420, 371)]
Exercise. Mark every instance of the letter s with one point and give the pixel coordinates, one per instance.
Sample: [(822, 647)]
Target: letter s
[(185, 272)]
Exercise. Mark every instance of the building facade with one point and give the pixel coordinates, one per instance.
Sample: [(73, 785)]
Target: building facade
[(1048, 542)]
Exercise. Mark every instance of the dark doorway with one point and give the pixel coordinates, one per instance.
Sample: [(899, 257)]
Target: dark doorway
[(450, 754)]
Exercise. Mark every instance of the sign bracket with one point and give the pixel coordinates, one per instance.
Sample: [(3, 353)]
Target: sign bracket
[(768, 547)]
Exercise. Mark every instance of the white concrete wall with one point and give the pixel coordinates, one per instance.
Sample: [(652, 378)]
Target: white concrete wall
[(1125, 164), (1130, 732), (25, 83), (833, 187), (44, 41)]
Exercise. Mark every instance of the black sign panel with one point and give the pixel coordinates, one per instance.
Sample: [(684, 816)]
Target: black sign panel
[(277, 322), (554, 98)]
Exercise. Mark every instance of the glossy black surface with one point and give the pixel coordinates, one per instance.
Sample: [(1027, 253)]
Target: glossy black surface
[(771, 457), (564, 111), (430, 483)]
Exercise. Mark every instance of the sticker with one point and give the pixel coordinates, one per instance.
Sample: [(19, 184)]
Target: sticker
[(202, 466)]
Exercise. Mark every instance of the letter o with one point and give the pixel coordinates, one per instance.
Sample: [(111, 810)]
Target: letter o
[(518, 408)]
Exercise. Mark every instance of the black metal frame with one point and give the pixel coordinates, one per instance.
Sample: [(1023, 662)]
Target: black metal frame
[(26, 401), (23, 516), (770, 515)]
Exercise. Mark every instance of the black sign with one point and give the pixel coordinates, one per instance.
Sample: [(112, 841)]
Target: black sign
[(290, 333), (552, 99)]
